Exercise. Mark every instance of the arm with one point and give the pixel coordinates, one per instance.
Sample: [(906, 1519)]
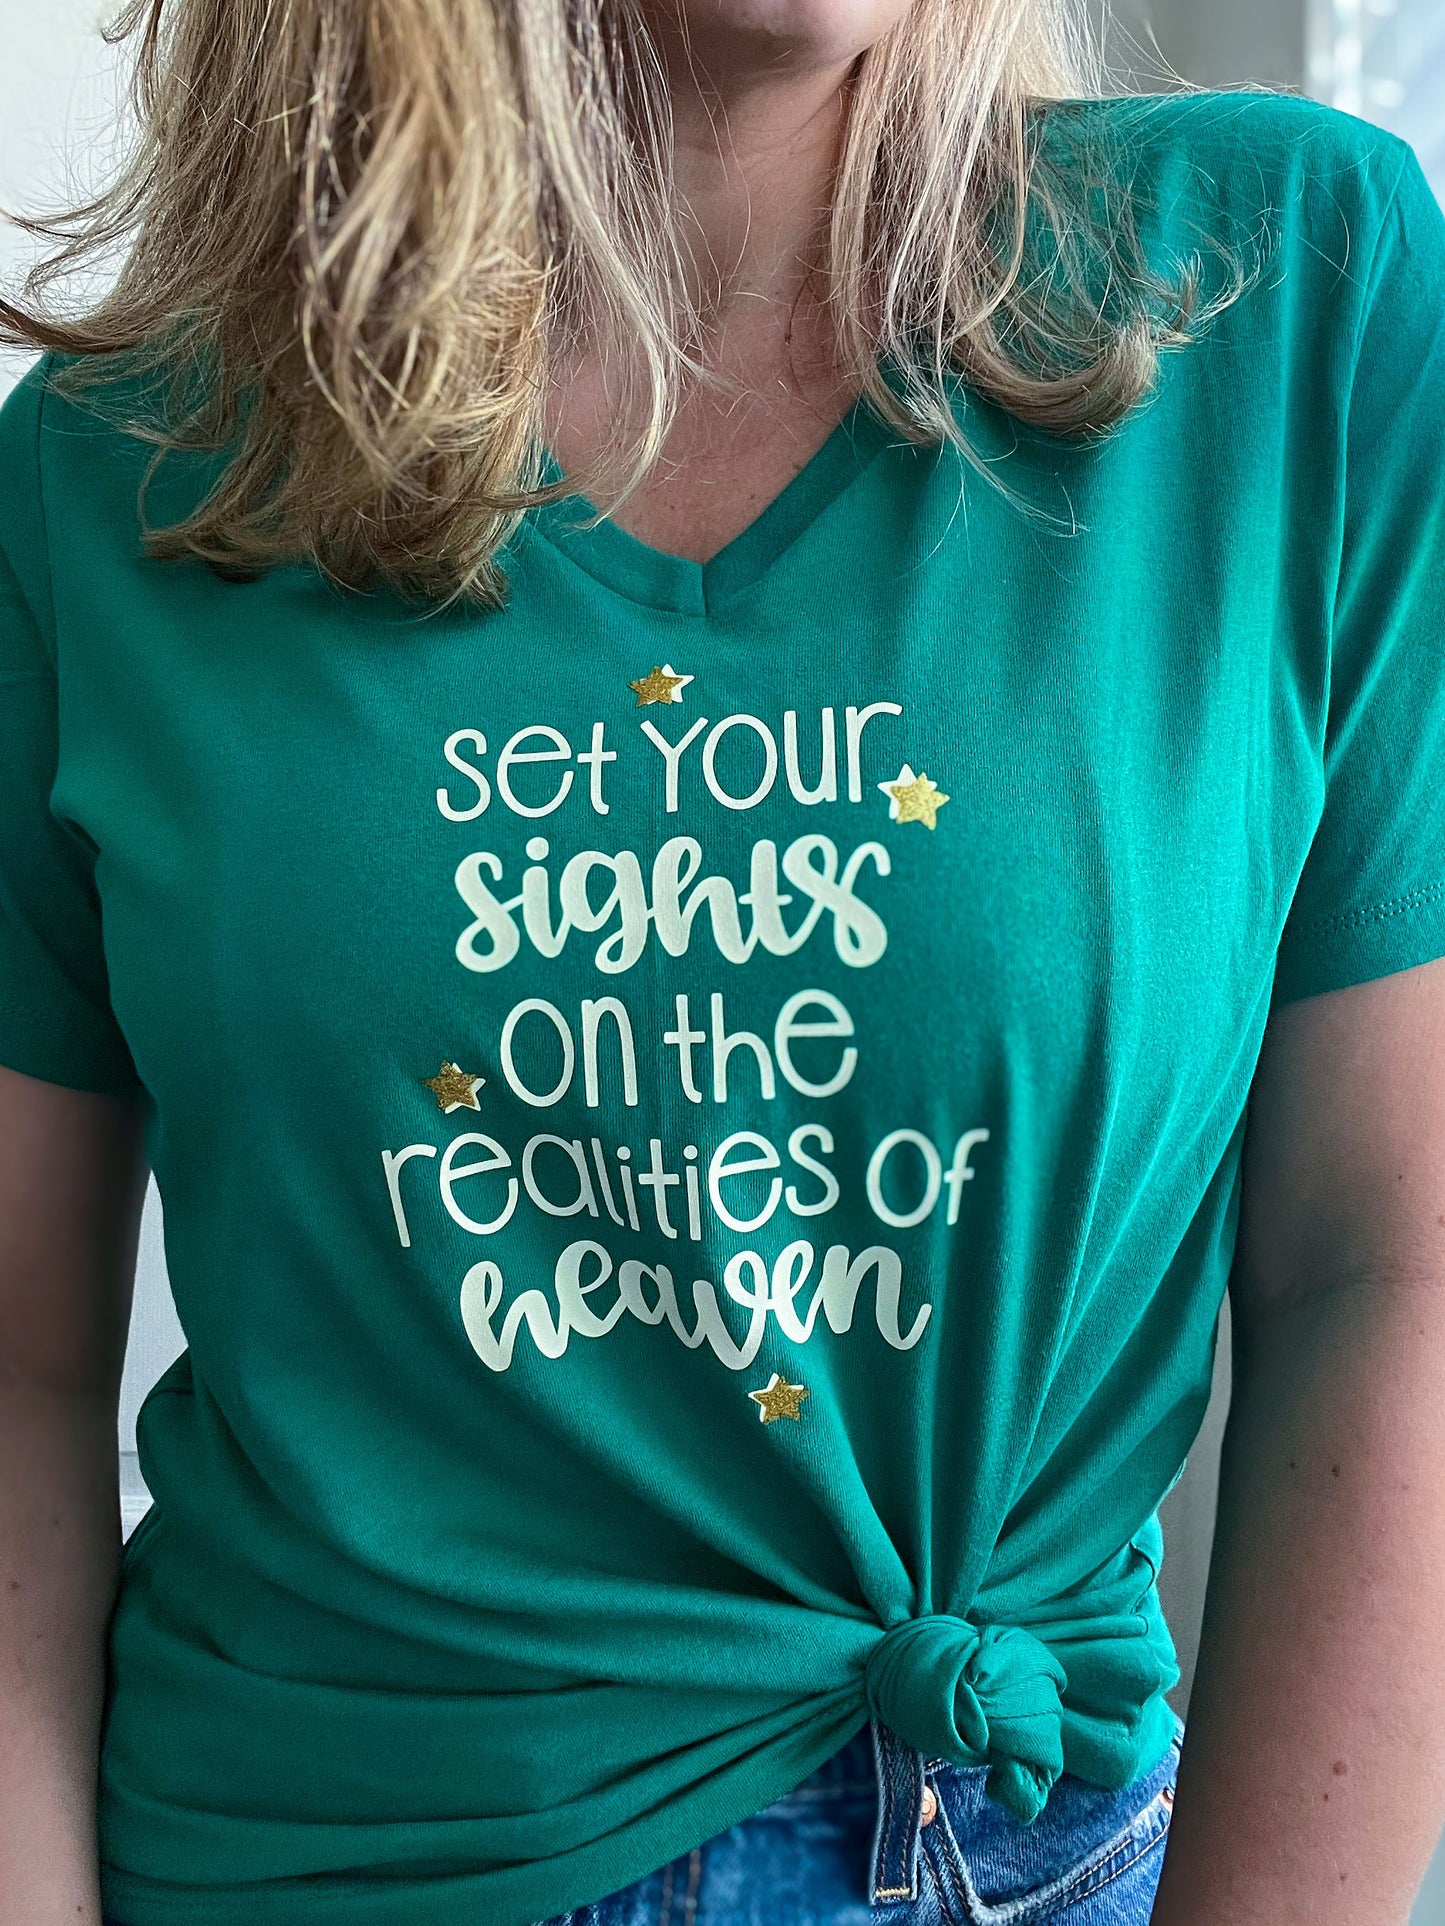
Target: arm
[(1312, 1785), (72, 1181)]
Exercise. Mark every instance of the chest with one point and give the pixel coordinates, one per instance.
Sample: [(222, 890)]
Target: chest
[(909, 902), (964, 811)]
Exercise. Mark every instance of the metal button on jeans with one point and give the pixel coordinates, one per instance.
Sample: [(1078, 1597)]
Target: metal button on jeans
[(929, 1810)]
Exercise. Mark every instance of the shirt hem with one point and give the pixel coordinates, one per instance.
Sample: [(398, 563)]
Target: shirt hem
[(508, 1896)]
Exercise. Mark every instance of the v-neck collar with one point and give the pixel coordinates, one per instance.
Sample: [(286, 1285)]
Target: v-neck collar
[(685, 587)]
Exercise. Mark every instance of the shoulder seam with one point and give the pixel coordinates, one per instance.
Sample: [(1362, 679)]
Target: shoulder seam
[(43, 389), (1366, 305), (1362, 320)]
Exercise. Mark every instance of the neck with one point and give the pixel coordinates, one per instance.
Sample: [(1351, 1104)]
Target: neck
[(757, 128), (756, 143), (754, 183)]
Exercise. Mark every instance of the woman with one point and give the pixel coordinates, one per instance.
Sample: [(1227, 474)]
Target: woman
[(698, 1059)]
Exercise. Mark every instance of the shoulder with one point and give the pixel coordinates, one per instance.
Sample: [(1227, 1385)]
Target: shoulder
[(1240, 137), (20, 418), (23, 545), (61, 413), (80, 442), (1284, 204), (1231, 163)]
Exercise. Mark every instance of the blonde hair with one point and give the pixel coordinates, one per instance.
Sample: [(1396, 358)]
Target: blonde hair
[(359, 233)]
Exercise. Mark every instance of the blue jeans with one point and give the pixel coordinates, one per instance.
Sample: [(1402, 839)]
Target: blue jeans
[(880, 1835)]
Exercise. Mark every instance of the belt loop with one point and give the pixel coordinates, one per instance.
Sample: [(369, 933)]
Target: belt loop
[(894, 1877)]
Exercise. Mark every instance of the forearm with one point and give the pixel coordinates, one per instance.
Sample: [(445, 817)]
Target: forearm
[(1312, 1785), (59, 1547)]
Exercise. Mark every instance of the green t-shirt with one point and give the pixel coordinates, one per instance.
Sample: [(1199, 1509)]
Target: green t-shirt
[(699, 1113)]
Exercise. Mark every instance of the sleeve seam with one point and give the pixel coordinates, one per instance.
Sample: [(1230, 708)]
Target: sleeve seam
[(1376, 912)]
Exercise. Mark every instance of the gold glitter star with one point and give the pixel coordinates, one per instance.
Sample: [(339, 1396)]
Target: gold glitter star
[(659, 685), (913, 799), (778, 1399), (454, 1089)]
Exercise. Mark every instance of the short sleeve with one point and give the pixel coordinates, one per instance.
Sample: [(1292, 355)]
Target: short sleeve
[(1370, 898), (56, 1020)]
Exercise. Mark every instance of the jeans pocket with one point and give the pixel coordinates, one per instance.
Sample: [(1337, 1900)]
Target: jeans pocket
[(1092, 1855)]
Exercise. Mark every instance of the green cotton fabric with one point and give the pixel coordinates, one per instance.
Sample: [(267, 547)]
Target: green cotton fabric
[(699, 1113)]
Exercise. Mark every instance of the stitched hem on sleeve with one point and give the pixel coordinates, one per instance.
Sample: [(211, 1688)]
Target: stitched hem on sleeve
[(1356, 946), (51, 1062), (1376, 912), (78, 1052)]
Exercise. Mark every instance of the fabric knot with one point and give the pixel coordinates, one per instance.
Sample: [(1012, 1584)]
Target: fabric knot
[(975, 1695)]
